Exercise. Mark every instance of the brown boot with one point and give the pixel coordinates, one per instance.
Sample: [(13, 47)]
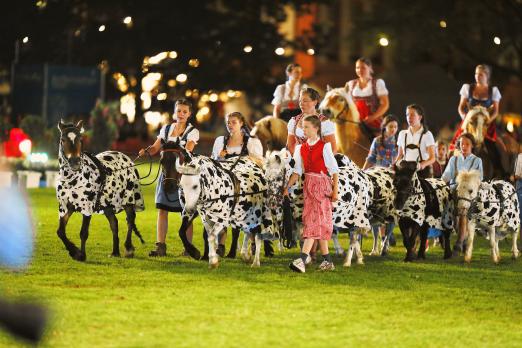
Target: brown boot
[(160, 251)]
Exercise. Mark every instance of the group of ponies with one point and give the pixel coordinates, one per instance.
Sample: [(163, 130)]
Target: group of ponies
[(247, 195)]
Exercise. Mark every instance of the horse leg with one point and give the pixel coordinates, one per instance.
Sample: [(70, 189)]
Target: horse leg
[(471, 237), (349, 255), (130, 218), (113, 223), (446, 244), (376, 238), (358, 251), (405, 226), (245, 255), (514, 248), (205, 241), (73, 250), (493, 244), (186, 220), (213, 235), (233, 246), (257, 259), (423, 237), (84, 234), (337, 246)]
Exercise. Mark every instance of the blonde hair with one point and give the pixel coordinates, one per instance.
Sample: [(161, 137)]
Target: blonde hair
[(486, 69)]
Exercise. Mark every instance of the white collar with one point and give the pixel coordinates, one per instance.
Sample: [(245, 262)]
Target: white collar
[(312, 143), (421, 129)]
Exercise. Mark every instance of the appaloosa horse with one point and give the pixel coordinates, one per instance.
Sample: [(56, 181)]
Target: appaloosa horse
[(421, 204), (103, 184), (490, 208)]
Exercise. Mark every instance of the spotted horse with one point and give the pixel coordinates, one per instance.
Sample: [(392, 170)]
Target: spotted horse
[(103, 184), (421, 204), (490, 208), (225, 197)]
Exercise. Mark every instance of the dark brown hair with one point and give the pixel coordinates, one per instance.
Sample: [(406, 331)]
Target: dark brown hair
[(290, 67), (185, 102), (315, 121), (468, 136)]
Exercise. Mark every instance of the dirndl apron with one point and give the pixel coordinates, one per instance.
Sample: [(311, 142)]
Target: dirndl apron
[(317, 212), (169, 202)]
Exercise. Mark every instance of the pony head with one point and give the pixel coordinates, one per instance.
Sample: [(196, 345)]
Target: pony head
[(190, 183), (476, 122), (403, 182), (338, 104), (468, 184), (170, 152), (71, 146)]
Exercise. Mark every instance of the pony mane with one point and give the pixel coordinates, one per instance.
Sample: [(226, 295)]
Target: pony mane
[(471, 113), (471, 177)]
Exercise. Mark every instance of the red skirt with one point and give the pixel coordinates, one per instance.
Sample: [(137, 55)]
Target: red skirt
[(317, 212)]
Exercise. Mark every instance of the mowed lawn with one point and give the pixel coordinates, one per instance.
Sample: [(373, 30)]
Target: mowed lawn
[(178, 302)]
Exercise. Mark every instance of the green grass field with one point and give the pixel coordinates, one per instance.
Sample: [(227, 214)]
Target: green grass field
[(179, 302)]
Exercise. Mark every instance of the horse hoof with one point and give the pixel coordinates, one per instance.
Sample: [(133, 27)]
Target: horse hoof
[(467, 259), (213, 265), (114, 255), (204, 257), (339, 252), (255, 265), (447, 256), (231, 255), (245, 257), (129, 254), (79, 256)]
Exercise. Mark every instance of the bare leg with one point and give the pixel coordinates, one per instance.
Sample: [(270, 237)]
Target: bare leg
[(162, 224), (471, 237)]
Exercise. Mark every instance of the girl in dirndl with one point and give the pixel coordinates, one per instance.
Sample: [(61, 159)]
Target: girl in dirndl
[(370, 96), (165, 203), (316, 160)]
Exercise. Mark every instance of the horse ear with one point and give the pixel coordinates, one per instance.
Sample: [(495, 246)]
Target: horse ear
[(328, 88), (79, 125), (61, 124)]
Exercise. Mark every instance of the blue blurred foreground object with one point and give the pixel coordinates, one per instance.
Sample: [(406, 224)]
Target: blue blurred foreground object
[(24, 320), (16, 230)]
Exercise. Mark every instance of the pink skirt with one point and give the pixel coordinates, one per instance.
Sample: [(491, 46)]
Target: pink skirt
[(317, 212)]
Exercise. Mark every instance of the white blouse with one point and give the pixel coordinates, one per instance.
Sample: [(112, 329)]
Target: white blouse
[(278, 94), (193, 135), (254, 147), (495, 93), (327, 128), (356, 91), (413, 138), (328, 157)]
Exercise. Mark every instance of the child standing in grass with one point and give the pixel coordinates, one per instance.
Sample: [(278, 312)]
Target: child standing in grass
[(315, 159)]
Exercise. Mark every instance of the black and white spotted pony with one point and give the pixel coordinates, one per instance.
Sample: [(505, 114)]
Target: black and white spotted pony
[(490, 208), (103, 184), (416, 213), (225, 197)]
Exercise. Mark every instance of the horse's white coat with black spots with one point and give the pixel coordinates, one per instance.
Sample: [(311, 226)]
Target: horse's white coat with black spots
[(80, 189), (381, 208), (414, 207), (501, 212), (215, 202)]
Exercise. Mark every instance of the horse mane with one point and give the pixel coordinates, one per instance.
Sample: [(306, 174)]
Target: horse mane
[(471, 113), (471, 177)]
